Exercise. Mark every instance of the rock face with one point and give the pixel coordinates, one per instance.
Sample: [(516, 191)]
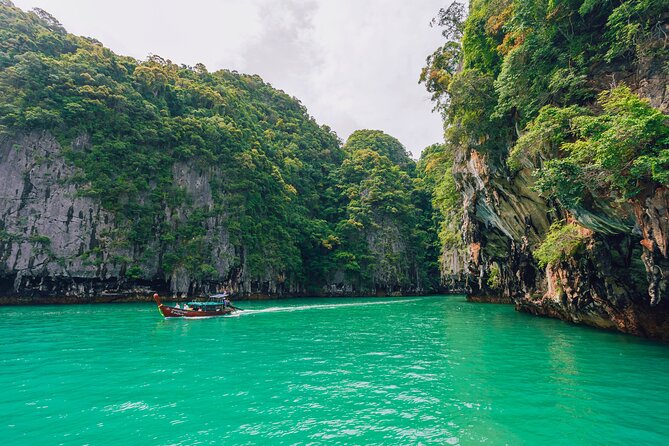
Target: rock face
[(619, 281), (454, 273), (46, 228), (502, 218), (652, 214)]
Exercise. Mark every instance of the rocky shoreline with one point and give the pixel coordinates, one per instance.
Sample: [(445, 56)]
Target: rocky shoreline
[(147, 296), (482, 299)]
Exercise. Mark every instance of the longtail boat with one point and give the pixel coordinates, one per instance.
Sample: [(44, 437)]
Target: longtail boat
[(217, 305)]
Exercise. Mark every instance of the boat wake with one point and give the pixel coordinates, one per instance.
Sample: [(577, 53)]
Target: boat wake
[(317, 307)]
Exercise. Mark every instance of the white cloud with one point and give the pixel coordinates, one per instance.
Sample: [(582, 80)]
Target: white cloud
[(353, 63)]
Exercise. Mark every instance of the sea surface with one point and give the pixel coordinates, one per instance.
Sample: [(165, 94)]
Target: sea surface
[(429, 370)]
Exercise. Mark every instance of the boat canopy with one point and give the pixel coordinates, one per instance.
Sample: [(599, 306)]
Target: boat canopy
[(205, 304)]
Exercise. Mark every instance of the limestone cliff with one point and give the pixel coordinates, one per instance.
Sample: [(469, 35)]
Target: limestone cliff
[(618, 280), (57, 245), (556, 116)]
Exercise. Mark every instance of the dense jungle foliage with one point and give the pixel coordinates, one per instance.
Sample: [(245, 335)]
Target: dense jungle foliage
[(542, 85), (298, 205), (435, 167), (384, 222)]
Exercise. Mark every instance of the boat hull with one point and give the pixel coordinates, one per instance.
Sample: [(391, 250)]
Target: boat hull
[(174, 312)]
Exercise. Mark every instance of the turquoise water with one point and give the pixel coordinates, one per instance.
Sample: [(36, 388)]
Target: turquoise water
[(352, 371)]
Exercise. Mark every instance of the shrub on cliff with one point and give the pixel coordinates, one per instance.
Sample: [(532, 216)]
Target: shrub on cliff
[(562, 242), (612, 154)]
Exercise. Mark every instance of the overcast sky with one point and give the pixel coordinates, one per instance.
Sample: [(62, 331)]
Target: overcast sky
[(353, 63)]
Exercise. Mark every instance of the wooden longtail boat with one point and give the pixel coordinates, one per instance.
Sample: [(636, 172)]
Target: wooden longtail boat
[(218, 305)]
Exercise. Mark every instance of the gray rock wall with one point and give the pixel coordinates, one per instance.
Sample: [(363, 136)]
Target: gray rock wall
[(50, 234)]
